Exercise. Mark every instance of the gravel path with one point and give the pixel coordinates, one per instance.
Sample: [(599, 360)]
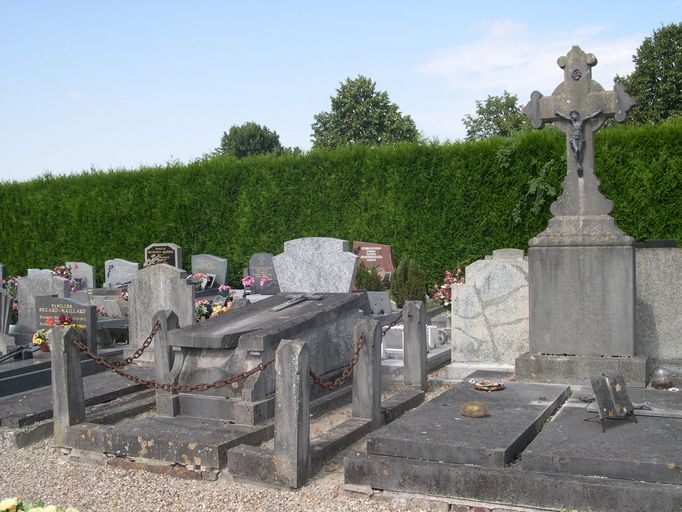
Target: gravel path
[(38, 472)]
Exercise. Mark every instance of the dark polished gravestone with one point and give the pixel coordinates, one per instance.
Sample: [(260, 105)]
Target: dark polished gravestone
[(81, 314), (379, 256), (168, 253), (211, 266), (262, 269), (238, 341), (438, 431)]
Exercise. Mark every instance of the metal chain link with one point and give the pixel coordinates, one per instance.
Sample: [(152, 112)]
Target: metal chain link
[(392, 324), (139, 351), (173, 388)]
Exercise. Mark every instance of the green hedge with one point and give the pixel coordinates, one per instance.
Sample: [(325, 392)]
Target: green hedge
[(439, 204)]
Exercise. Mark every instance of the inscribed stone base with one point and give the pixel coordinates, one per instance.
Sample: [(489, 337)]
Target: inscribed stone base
[(577, 369), (582, 300)]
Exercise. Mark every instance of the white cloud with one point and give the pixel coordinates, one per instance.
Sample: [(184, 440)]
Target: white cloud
[(75, 96), (506, 56)]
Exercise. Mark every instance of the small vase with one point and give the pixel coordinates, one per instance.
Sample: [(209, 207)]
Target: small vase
[(44, 347)]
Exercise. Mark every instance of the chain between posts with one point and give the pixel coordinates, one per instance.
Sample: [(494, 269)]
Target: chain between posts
[(115, 366), (348, 370)]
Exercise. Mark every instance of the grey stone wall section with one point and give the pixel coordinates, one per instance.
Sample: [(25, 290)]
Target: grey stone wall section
[(67, 381), (588, 293), (414, 349), (154, 289), (316, 265), (658, 326), (36, 282), (367, 373), (490, 311), (292, 413)]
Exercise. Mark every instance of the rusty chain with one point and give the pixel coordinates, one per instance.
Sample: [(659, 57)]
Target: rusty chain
[(139, 351), (172, 388), (115, 366)]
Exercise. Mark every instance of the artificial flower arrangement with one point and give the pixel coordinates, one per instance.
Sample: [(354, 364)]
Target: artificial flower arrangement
[(248, 281), (19, 505), (204, 309), (443, 292), (10, 284), (67, 273), (40, 337)]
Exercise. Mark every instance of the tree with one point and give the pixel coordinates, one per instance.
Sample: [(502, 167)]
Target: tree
[(361, 115), (656, 82), (249, 139), (497, 115)]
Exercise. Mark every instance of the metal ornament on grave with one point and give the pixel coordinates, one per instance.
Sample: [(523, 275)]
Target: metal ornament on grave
[(579, 106), (613, 402)]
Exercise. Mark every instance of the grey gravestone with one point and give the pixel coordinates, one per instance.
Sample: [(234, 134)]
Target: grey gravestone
[(2, 271), (6, 341), (490, 314), (262, 267), (168, 253), (582, 268), (380, 303), (84, 272), (156, 288), (119, 272), (35, 283), (82, 314), (316, 265), (211, 265)]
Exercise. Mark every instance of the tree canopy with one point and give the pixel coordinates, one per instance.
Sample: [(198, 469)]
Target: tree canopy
[(249, 139), (656, 82), (361, 115), (497, 115)]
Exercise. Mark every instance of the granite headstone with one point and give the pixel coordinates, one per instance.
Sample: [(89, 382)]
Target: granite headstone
[(316, 265), (168, 253), (118, 272), (212, 266), (262, 269), (83, 315), (35, 283), (83, 272), (379, 256)]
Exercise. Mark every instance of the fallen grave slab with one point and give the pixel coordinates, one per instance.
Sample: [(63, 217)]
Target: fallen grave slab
[(648, 450), (437, 431)]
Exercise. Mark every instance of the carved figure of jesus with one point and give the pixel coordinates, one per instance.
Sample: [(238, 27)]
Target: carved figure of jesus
[(577, 134)]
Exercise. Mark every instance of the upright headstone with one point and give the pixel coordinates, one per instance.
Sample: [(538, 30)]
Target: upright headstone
[(262, 269), (157, 288), (316, 265), (2, 271), (118, 272), (582, 267), (84, 316), (6, 341), (379, 256), (84, 272), (212, 266), (490, 314), (167, 253), (35, 283)]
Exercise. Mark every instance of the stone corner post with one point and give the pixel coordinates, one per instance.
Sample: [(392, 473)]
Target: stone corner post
[(166, 401), (367, 372), (67, 381), (414, 347)]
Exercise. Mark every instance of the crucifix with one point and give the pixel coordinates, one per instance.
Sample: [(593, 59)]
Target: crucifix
[(578, 107)]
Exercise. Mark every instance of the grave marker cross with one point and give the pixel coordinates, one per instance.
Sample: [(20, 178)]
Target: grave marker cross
[(579, 106)]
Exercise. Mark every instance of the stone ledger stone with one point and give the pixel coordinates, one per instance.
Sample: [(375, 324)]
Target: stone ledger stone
[(156, 288), (316, 265), (490, 314)]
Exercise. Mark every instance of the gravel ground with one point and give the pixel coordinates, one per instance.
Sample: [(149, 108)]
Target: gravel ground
[(38, 472)]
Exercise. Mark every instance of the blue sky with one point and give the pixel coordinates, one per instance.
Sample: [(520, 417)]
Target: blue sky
[(129, 83)]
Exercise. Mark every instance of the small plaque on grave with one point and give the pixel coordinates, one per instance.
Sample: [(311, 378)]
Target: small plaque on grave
[(612, 398), (167, 253)]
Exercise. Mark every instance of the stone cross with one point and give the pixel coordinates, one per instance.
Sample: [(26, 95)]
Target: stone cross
[(579, 106)]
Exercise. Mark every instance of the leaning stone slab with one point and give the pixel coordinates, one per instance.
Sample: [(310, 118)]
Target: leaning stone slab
[(316, 265)]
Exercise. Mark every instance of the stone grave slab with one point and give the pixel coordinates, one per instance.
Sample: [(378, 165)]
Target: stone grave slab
[(82, 314), (212, 266), (180, 440), (648, 450), (262, 267), (168, 253), (119, 272), (316, 265), (437, 431), (84, 272)]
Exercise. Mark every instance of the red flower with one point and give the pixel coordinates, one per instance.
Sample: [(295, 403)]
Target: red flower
[(50, 321)]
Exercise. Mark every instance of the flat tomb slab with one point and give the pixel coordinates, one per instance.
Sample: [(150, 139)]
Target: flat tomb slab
[(181, 439), (437, 431), (649, 450)]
